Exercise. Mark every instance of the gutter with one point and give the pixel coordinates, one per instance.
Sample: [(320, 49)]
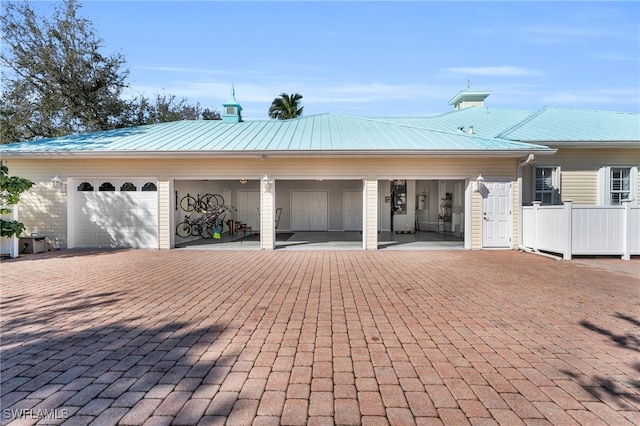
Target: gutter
[(265, 154)]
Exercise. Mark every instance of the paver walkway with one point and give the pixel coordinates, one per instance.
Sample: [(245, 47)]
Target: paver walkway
[(317, 337)]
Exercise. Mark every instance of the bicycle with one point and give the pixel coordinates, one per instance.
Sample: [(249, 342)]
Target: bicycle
[(213, 222), (209, 225), (189, 227), (189, 203)]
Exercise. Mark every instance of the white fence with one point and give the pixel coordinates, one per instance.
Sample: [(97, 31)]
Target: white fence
[(582, 230)]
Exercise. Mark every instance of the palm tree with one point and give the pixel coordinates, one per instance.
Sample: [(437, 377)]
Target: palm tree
[(285, 107)]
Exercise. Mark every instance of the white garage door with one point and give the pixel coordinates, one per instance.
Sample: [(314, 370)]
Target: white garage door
[(116, 213)]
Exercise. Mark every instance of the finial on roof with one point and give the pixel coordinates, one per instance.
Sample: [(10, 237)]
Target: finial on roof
[(468, 83)]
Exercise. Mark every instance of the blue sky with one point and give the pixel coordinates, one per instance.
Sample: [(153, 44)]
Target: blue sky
[(377, 58)]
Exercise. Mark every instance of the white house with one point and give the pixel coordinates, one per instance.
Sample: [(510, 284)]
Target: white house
[(469, 173)]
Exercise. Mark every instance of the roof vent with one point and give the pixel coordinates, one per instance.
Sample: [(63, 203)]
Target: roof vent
[(470, 130)]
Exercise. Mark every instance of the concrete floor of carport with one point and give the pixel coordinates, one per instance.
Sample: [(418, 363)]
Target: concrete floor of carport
[(332, 240)]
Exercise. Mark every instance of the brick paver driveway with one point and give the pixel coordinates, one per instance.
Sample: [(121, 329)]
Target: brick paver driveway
[(318, 337)]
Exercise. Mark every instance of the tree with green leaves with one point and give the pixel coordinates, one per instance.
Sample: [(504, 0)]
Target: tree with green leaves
[(286, 106), (11, 187), (166, 108), (55, 79)]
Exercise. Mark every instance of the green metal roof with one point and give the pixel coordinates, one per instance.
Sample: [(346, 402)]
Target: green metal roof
[(318, 134), (563, 124), (495, 130), (486, 122)]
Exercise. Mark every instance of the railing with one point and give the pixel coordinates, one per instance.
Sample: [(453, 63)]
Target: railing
[(582, 230)]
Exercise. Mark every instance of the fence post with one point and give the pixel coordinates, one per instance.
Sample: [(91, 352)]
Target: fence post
[(536, 206), (626, 225), (568, 241)]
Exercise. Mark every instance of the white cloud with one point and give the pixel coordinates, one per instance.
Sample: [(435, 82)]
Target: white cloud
[(613, 56), (596, 96), (499, 71)]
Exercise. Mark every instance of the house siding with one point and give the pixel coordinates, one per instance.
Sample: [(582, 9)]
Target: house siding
[(579, 172), (42, 208)]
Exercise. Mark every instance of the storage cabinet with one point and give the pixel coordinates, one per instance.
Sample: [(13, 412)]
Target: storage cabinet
[(33, 245)]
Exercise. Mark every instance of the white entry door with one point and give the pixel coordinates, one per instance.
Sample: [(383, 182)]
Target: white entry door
[(249, 208), (309, 211), (496, 215), (353, 210)]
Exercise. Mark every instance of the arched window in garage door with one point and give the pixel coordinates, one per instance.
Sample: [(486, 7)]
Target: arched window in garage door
[(85, 186), (107, 186), (128, 186), (149, 186)]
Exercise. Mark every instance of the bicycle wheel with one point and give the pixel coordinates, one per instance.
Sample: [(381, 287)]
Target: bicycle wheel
[(202, 207), (206, 231), (196, 229), (188, 203), (183, 229), (212, 200)]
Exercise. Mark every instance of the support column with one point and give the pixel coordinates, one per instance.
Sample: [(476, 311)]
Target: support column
[(267, 214), (165, 227), (370, 216)]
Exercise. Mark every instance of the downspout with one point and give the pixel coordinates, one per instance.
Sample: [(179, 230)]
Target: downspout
[(521, 164)]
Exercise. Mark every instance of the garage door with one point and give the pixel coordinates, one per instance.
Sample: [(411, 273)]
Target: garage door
[(116, 213)]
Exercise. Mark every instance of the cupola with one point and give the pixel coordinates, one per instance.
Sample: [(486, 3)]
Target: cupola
[(231, 110), (469, 98)]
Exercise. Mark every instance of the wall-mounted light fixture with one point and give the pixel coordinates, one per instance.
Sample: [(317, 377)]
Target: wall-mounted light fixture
[(266, 184), (478, 184), (58, 184), (242, 181)]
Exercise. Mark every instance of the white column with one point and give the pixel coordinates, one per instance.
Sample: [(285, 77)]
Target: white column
[(370, 216), (165, 227), (267, 214)]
